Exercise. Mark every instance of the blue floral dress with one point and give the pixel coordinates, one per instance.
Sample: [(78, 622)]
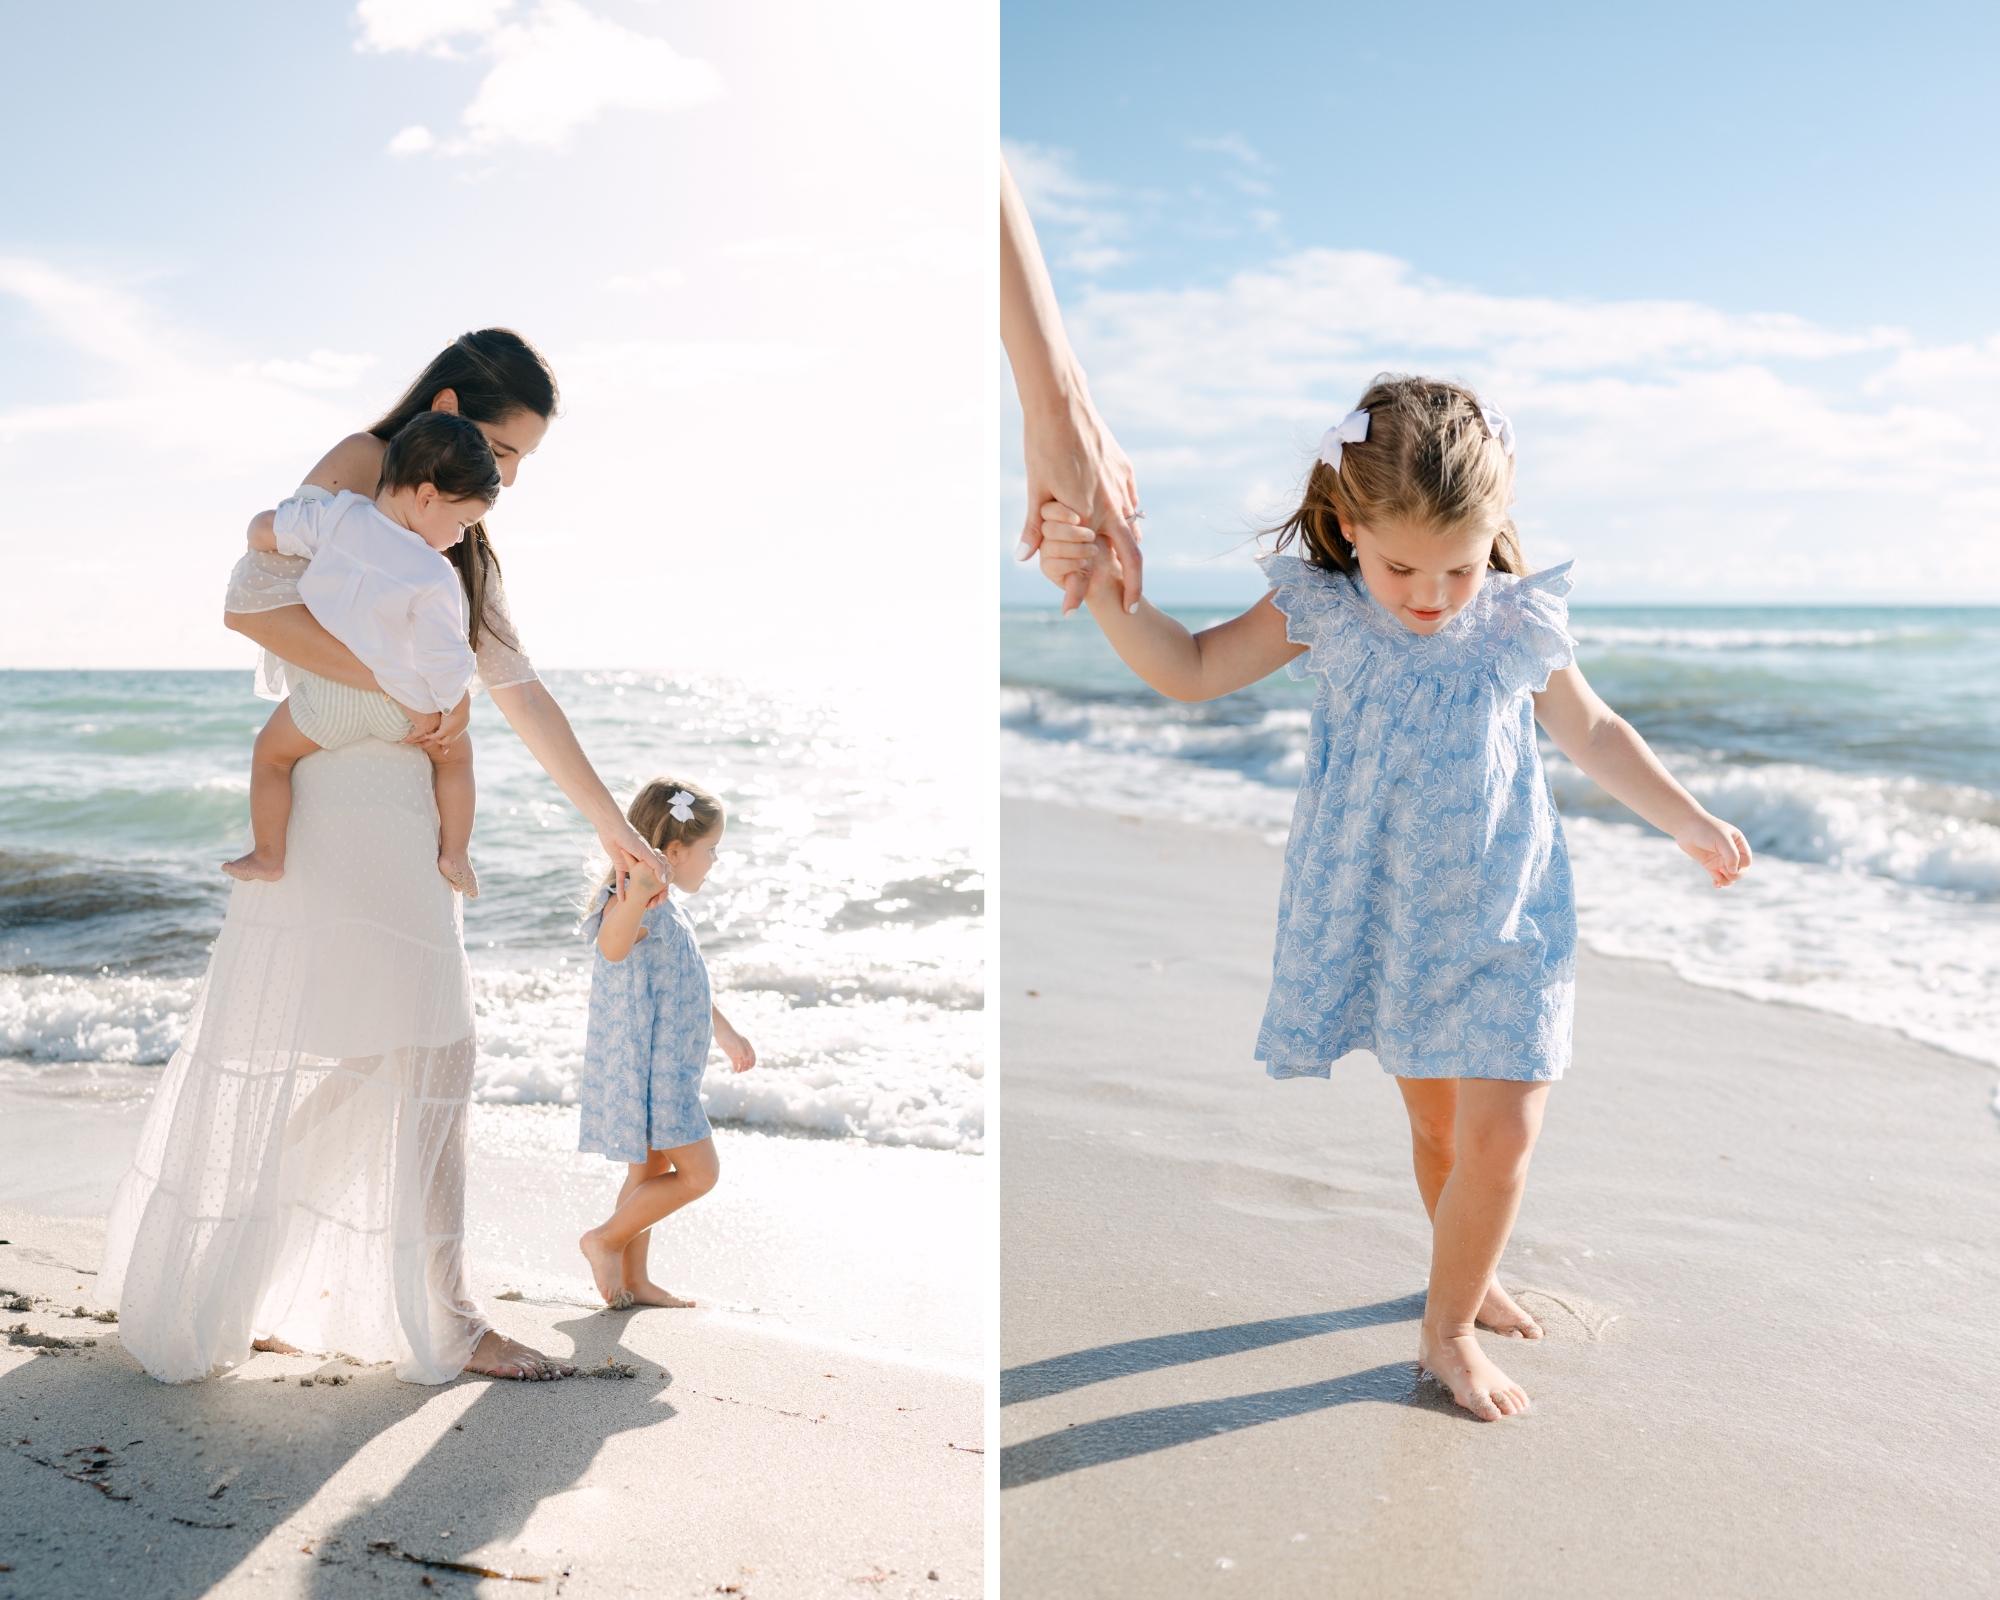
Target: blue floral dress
[(648, 1038), (1427, 912)]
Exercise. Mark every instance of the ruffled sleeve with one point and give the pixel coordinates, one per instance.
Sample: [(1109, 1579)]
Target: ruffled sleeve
[(1318, 608), (1531, 630), (501, 661)]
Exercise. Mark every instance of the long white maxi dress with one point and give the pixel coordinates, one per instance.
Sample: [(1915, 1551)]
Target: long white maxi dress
[(301, 1173)]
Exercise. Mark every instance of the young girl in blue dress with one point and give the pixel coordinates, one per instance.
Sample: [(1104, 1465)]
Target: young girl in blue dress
[(1427, 912), (651, 1020)]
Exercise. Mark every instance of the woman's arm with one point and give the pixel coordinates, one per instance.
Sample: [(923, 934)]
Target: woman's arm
[(543, 728), (1181, 665), (1607, 750), (292, 633), (1070, 454)]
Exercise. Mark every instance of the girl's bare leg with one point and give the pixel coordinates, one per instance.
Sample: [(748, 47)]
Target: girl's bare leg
[(654, 1189), (1433, 1107), (1495, 1133), (457, 800), (279, 748)]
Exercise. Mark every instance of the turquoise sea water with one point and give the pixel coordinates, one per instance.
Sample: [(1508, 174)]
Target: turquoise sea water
[(845, 917), (1858, 748)]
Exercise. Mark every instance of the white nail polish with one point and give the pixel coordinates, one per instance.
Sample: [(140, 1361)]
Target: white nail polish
[(1023, 550), (1133, 609)]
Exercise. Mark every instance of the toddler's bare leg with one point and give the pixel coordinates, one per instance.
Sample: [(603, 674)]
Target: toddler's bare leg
[(1433, 1107), (279, 748), (451, 778), (1495, 1133), (666, 1181)]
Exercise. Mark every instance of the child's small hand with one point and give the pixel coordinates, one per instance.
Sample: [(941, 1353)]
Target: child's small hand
[(422, 723), (449, 727), (1718, 847), (1069, 548), (742, 1056), (642, 883)]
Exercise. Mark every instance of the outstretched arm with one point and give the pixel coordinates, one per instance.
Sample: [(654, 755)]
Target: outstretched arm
[(550, 739), (1181, 665), (1607, 749), (1070, 454)]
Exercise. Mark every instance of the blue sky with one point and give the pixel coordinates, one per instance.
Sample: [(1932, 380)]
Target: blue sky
[(1730, 267), (754, 240)]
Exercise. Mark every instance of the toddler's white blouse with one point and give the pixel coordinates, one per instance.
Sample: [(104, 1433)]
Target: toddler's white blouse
[(385, 594)]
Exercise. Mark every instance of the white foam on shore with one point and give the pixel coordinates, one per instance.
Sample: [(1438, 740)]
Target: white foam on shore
[(882, 1067)]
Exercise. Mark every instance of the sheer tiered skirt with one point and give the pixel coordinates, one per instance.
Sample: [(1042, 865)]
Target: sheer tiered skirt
[(301, 1174)]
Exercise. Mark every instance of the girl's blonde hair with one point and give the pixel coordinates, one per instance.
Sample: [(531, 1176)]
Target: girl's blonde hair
[(1427, 458), (652, 813)]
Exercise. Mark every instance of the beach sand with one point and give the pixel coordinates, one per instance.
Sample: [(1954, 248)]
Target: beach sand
[(783, 1450), (1762, 1240)]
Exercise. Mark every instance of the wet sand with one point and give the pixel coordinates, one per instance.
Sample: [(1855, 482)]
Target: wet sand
[(1765, 1243)]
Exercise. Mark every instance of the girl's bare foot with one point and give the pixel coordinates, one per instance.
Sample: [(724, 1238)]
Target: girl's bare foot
[(607, 1267), (254, 868), (276, 1347), (1500, 1312), (458, 873), (497, 1356), (648, 1293), (1475, 1383)]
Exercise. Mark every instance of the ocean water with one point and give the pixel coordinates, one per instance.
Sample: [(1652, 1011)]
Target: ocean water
[(1857, 748), (843, 926)]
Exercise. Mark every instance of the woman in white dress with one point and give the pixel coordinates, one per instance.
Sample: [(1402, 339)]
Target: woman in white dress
[(300, 1180)]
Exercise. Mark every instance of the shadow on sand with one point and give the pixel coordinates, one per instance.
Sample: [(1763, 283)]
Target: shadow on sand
[(1059, 1374), (149, 1520)]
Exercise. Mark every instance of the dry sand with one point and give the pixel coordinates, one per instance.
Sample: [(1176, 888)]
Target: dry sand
[(1763, 1241), (732, 1462)]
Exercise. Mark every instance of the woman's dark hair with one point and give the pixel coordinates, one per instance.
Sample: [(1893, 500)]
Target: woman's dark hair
[(494, 373), (448, 453), (1428, 456)]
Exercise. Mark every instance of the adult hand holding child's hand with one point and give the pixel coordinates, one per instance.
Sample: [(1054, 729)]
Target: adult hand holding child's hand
[(1084, 564)]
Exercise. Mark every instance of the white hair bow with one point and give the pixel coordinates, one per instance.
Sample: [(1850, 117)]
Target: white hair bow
[(1353, 429), (681, 806), (1498, 427)]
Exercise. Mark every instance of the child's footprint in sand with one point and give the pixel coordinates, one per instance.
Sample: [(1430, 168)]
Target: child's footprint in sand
[(1565, 1316)]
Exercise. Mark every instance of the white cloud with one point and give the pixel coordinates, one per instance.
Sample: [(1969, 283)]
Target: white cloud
[(1079, 228), (552, 73), (323, 369), (427, 25), (1230, 144), (1679, 449), (412, 141)]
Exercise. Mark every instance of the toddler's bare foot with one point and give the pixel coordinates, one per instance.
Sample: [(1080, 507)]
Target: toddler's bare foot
[(1475, 1383), (1500, 1312), (276, 1346), (254, 868), (648, 1293), (459, 874), (607, 1266)]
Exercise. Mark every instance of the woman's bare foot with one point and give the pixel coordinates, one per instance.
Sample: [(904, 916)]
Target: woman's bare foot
[(1500, 1312), (648, 1293), (1475, 1383), (458, 873), (497, 1356), (254, 868), (276, 1346), (607, 1266)]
